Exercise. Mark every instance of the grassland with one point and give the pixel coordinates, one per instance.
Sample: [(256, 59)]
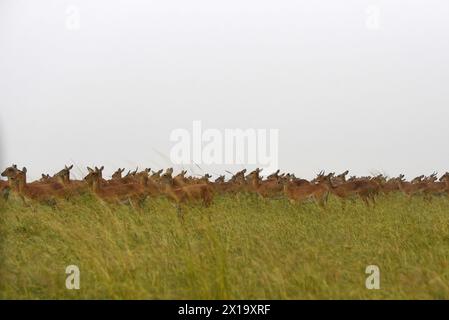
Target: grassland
[(239, 248)]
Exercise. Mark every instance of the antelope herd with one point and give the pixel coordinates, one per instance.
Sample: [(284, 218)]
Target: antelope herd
[(135, 186)]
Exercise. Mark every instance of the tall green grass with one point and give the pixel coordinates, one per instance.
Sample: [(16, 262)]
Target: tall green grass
[(239, 248)]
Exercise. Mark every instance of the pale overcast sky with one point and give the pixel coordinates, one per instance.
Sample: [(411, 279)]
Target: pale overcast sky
[(359, 85)]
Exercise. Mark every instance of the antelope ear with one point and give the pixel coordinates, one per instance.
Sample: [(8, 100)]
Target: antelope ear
[(14, 166), (90, 170), (24, 170), (70, 168), (101, 169), (43, 175)]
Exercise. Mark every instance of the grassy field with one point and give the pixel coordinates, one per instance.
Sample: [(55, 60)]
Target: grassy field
[(239, 248)]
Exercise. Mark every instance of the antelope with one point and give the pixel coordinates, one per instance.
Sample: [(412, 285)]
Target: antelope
[(431, 178), (45, 178), (130, 176), (144, 179), (239, 177), (417, 179), (266, 188), (409, 188), (274, 175), (340, 179), (298, 181), (156, 176), (117, 175), (73, 187), (180, 180), (434, 187), (117, 178), (363, 188), (45, 193), (4, 189), (63, 176), (133, 193), (143, 176), (318, 192), (180, 195), (221, 186), (445, 178), (389, 186), (204, 179)]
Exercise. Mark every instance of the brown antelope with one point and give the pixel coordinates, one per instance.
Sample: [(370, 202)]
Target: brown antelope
[(239, 177), (45, 178), (409, 188), (63, 176), (156, 176), (45, 193), (340, 179), (221, 186), (297, 181), (389, 186), (417, 179), (144, 179), (130, 176), (364, 188), (318, 192), (180, 195), (445, 178), (4, 189), (267, 188), (117, 175), (180, 179), (117, 178), (143, 176), (434, 187), (431, 178), (72, 187), (204, 179), (274, 175), (133, 193)]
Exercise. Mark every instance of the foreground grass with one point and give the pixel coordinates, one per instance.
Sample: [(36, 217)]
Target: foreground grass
[(239, 248)]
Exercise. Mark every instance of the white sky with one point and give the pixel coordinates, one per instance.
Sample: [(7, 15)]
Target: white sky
[(342, 94)]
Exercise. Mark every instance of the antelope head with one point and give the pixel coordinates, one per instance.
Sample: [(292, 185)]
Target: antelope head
[(94, 176), (118, 174), (63, 176)]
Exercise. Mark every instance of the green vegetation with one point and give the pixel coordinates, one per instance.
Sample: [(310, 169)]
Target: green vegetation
[(239, 248)]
